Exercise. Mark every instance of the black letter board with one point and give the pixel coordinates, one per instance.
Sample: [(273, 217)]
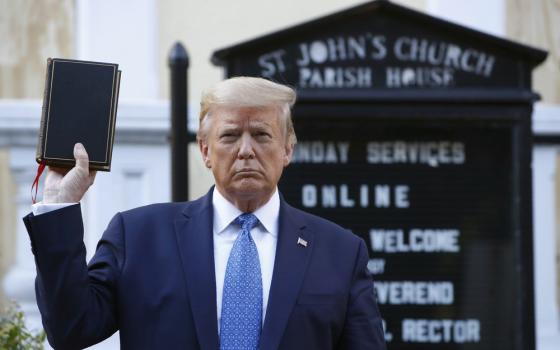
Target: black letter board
[(415, 133)]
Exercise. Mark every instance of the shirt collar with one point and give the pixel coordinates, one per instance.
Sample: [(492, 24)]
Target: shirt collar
[(225, 213)]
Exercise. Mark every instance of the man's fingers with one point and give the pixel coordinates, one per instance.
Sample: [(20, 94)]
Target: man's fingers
[(57, 170), (81, 156)]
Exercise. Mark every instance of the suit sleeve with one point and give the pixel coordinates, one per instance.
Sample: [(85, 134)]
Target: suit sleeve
[(78, 303), (363, 327)]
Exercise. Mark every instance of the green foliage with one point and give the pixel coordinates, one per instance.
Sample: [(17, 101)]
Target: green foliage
[(13, 333)]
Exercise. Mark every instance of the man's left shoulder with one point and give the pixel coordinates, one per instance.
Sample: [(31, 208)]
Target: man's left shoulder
[(322, 227)]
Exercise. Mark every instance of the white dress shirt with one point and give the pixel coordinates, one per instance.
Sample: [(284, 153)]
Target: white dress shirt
[(40, 208), (265, 235), (225, 231)]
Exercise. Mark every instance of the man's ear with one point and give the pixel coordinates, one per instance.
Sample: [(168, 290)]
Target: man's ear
[(205, 152), (289, 151)]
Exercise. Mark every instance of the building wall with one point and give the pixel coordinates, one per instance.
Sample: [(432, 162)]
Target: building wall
[(537, 23), (31, 31)]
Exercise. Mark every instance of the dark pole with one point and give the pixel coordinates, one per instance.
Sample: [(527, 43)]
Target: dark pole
[(178, 64)]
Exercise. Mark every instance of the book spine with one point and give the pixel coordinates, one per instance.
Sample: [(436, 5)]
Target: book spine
[(44, 112), (113, 120)]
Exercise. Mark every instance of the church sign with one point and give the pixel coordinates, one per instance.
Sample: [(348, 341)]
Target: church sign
[(414, 133), (403, 61)]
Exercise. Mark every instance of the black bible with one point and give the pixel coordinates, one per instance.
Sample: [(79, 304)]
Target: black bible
[(79, 105)]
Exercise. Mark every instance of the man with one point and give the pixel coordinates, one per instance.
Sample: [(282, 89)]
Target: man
[(236, 269)]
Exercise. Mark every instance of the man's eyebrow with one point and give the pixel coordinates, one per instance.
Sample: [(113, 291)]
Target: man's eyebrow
[(260, 124), (228, 127)]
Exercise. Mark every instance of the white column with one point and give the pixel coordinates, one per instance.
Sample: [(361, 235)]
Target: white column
[(544, 207), (123, 32), (19, 281), (546, 121)]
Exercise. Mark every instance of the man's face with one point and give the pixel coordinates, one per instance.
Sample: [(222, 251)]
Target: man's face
[(246, 149)]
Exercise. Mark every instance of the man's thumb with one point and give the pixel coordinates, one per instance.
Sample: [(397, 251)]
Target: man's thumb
[(81, 156)]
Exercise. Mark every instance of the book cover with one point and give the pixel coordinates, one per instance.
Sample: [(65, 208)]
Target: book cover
[(79, 105)]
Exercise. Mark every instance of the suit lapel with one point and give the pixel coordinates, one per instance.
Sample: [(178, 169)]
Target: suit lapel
[(194, 237), (289, 271)]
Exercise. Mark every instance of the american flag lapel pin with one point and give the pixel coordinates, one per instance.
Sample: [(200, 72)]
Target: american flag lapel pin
[(302, 242)]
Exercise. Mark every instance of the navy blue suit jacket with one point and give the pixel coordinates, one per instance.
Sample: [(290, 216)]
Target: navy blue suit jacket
[(152, 278)]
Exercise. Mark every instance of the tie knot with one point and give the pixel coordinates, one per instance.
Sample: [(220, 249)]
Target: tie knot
[(247, 221)]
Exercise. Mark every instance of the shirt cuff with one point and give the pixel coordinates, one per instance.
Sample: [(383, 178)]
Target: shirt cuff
[(40, 208)]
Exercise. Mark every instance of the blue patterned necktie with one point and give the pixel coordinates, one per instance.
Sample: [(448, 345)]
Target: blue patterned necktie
[(241, 318)]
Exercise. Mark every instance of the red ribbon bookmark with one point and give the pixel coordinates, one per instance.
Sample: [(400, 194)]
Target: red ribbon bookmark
[(40, 170)]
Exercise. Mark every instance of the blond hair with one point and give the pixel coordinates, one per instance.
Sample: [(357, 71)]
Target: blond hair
[(248, 92)]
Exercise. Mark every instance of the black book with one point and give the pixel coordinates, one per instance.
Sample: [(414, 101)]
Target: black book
[(79, 105)]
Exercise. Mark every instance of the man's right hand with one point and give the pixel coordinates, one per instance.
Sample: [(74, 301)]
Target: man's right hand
[(69, 185)]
